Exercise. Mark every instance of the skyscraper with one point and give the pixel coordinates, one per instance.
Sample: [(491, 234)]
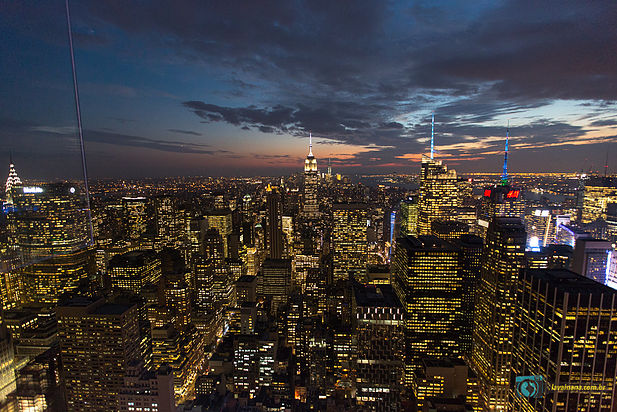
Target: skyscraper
[(11, 181), (495, 309), (378, 322), (439, 195), (566, 332), (349, 240), (135, 216), (98, 340), (591, 259), (431, 285), (274, 222), (276, 279), (409, 217), (311, 206)]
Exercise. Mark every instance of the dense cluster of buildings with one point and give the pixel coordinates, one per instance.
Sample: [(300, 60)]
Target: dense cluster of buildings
[(309, 292)]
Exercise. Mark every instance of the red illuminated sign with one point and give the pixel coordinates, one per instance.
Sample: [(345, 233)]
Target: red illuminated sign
[(513, 194), (487, 192)]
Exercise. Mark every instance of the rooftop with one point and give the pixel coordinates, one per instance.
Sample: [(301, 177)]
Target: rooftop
[(567, 281), (376, 296)]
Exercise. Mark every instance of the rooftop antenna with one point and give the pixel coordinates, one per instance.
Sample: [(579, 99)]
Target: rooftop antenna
[(432, 134), (504, 176), (606, 161), (310, 144), (79, 127)]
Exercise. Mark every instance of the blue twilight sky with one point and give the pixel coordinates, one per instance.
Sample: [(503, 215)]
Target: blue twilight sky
[(214, 88)]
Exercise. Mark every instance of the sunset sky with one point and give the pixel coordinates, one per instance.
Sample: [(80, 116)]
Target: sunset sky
[(233, 88)]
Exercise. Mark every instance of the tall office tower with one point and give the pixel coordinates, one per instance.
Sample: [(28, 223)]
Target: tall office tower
[(311, 206), (214, 248), (495, 309), (470, 247), (429, 282), (221, 221), (540, 228), (133, 270), (439, 195), (204, 278), (47, 220), (11, 181), (47, 280), (349, 240), (409, 217), (166, 220), (449, 229), (591, 258), (274, 234), (378, 322), (98, 340), (178, 300), (499, 201), (147, 390), (276, 280), (135, 213), (566, 332), (599, 192)]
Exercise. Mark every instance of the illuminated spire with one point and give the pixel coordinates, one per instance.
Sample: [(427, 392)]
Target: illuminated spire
[(310, 144), (504, 176), (13, 179), (432, 134)]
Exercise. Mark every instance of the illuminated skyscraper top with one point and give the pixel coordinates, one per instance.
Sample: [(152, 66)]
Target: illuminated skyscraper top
[(432, 135), (13, 179), (310, 164), (504, 176)]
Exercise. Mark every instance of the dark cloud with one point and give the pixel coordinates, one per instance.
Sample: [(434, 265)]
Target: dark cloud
[(189, 132)]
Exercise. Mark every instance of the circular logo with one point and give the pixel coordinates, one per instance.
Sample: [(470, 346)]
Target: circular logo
[(528, 388)]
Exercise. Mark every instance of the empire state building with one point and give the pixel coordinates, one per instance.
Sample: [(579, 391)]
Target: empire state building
[(311, 207)]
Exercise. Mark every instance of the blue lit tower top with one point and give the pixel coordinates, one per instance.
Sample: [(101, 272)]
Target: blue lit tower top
[(504, 176), (432, 135)]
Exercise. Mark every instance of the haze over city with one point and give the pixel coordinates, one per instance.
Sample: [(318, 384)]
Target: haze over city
[(219, 88)]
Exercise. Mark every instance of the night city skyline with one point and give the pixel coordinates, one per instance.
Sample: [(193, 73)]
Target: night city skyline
[(212, 89)]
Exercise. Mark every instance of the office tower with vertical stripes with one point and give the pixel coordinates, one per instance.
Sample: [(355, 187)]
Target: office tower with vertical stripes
[(494, 318)]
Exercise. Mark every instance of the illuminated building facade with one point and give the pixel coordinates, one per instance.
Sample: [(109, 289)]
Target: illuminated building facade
[(539, 224), (135, 211), (311, 179), (98, 340), (46, 280), (566, 332), (349, 240), (591, 259), (221, 221), (47, 220), (439, 196), (445, 378), (495, 310), (599, 193), (378, 320), (409, 216), (276, 280), (178, 300), (133, 270), (499, 201), (431, 285), (11, 181)]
